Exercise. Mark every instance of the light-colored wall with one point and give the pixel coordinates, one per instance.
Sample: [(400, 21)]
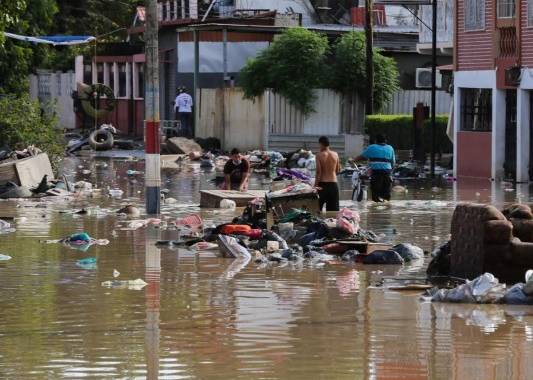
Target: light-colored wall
[(237, 122), (445, 22), (245, 124), (403, 101), (54, 92)]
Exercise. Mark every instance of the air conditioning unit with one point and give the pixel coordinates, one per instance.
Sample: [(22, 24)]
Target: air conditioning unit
[(423, 78)]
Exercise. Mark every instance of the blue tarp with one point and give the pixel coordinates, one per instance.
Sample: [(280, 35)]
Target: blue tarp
[(53, 40)]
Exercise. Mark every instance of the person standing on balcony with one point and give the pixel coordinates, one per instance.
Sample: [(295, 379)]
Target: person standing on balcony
[(381, 160), (183, 107)]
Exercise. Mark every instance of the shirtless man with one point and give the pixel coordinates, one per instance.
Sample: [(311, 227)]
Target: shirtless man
[(327, 167)]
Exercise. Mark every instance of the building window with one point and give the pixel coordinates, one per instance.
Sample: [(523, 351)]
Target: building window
[(474, 14), (99, 73), (122, 82), (87, 74), (506, 8), (529, 12), (140, 80), (476, 109), (111, 68)]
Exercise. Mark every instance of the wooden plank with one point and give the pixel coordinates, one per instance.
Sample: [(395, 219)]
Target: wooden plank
[(212, 198)]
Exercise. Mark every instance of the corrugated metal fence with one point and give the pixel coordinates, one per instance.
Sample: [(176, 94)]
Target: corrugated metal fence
[(334, 114), (404, 101)]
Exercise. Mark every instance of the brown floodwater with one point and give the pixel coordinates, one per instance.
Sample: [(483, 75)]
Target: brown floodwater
[(193, 321)]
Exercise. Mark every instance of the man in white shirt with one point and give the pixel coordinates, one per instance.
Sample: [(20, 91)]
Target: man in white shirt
[(183, 107)]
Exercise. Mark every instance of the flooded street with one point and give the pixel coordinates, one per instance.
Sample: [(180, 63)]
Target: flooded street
[(280, 322)]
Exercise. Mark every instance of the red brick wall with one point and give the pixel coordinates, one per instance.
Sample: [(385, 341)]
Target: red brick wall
[(474, 154), (526, 37), (474, 49)]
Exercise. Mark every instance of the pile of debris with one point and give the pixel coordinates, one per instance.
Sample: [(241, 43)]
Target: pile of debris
[(296, 237), (28, 173)]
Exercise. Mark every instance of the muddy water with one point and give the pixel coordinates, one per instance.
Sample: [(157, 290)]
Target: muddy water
[(192, 321)]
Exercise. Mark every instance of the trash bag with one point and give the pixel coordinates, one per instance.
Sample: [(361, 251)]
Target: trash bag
[(294, 215), (516, 296), (409, 252), (348, 220), (78, 238), (528, 287), (440, 263), (483, 289), (383, 257)]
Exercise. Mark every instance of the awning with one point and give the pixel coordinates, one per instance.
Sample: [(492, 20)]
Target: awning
[(53, 40)]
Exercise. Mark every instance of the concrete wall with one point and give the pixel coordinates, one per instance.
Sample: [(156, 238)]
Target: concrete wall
[(54, 92)]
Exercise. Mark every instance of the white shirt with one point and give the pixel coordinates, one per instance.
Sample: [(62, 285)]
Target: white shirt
[(183, 102)]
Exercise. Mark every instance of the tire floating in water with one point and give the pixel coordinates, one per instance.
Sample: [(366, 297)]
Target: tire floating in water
[(101, 140)]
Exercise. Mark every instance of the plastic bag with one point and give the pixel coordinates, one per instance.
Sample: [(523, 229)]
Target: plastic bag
[(348, 220), (516, 296), (483, 289)]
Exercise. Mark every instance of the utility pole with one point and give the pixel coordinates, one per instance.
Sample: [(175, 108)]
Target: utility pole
[(369, 31), (151, 101), (433, 84)]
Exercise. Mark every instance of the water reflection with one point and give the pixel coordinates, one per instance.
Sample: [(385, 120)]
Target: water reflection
[(210, 318)]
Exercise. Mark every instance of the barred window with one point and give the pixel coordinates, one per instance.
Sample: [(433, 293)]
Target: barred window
[(476, 109), (507, 8), (474, 14), (529, 12)]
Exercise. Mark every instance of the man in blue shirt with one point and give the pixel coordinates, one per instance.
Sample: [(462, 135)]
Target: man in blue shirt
[(381, 160)]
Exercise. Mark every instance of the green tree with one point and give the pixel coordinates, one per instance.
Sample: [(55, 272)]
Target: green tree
[(22, 123), (290, 66), (348, 71), (28, 17)]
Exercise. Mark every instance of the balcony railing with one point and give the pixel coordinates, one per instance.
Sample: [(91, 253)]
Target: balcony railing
[(508, 42), (177, 10)]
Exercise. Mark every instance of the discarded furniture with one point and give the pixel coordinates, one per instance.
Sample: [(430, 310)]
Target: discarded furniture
[(282, 204), (212, 198), (484, 240), (27, 171)]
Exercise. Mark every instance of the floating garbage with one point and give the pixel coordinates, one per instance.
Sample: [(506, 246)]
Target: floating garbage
[(5, 257), (130, 211), (483, 289), (228, 204), (230, 247), (116, 273), (116, 193), (204, 246), (409, 252), (5, 227), (88, 263), (137, 284), (80, 241), (83, 185)]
